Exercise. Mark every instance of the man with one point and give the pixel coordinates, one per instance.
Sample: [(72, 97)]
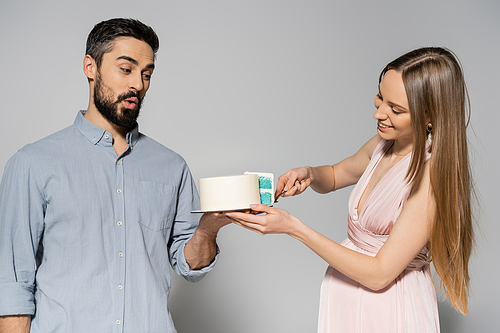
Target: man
[(91, 216)]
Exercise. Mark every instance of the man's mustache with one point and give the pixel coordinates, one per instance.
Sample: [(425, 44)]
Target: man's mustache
[(129, 95)]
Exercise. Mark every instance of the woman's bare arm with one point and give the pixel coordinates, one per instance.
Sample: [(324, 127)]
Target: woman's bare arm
[(327, 178), (408, 237)]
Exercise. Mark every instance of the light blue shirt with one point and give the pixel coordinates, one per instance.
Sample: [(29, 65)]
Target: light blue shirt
[(86, 236)]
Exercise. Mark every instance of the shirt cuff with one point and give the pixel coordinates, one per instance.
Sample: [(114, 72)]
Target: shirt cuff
[(194, 275), (17, 298)]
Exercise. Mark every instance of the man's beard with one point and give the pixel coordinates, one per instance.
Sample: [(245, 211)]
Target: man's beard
[(127, 118)]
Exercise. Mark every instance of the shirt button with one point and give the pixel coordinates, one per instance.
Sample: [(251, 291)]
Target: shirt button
[(118, 191), (117, 162), (118, 322), (94, 139), (120, 254), (120, 287), (119, 223), (106, 136)]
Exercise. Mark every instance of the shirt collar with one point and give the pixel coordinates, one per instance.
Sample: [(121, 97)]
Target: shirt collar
[(95, 134), (133, 136)]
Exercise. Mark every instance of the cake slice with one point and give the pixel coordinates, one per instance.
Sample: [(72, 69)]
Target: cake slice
[(266, 187)]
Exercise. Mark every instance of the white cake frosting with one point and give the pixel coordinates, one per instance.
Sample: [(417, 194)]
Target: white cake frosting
[(229, 192)]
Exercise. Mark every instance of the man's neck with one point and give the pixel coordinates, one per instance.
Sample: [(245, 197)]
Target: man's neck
[(119, 133)]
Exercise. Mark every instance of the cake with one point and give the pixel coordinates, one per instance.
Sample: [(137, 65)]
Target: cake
[(236, 192), (229, 192)]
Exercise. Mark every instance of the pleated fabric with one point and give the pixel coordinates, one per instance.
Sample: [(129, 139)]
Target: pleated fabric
[(408, 304)]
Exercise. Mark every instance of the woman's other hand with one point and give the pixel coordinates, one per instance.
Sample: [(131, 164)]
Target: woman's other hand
[(272, 221)]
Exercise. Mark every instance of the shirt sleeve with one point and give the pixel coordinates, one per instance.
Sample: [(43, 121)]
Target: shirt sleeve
[(184, 226), (21, 226)]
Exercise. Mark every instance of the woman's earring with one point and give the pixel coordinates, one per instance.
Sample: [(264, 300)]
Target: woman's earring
[(429, 135)]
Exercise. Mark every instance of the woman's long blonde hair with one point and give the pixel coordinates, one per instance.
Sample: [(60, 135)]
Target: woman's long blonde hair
[(436, 90)]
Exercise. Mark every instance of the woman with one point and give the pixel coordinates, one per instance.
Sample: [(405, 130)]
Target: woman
[(411, 204)]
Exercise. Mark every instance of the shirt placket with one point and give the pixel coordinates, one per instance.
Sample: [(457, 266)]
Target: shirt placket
[(119, 255)]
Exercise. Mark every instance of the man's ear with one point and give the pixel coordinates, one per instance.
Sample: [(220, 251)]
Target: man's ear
[(89, 67)]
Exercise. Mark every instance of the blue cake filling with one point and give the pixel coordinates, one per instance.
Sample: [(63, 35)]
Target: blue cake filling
[(265, 198), (265, 183)]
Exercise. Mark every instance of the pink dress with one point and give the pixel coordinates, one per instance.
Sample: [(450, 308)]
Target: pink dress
[(409, 303)]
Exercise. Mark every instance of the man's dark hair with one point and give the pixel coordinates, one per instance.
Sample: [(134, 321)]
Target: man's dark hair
[(102, 36)]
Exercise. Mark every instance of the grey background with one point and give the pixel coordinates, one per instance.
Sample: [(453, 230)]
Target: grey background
[(263, 86)]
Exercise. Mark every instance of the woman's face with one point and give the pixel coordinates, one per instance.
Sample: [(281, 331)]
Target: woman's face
[(393, 113)]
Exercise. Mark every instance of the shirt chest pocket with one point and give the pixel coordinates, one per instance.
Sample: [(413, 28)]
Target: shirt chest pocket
[(156, 203)]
